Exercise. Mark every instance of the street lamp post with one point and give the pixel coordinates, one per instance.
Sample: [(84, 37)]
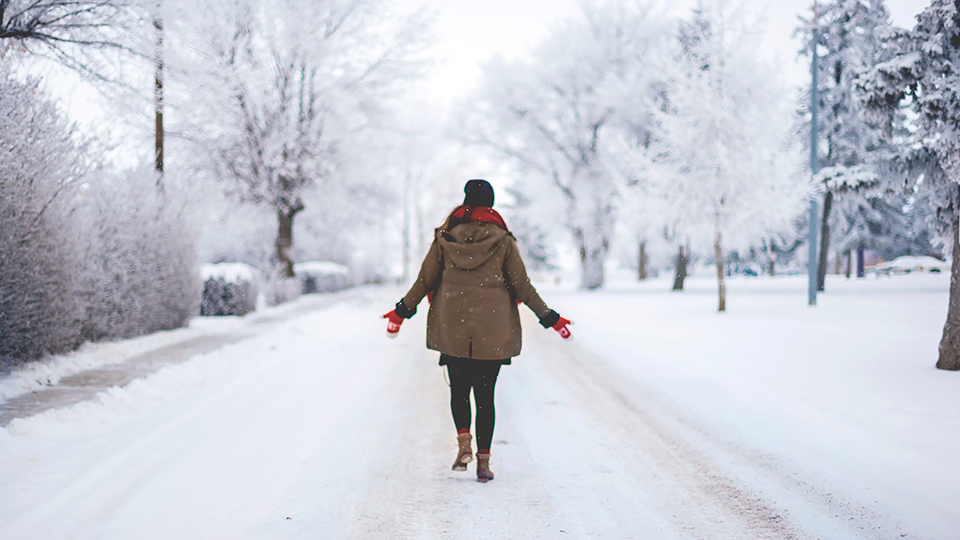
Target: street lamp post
[(814, 165)]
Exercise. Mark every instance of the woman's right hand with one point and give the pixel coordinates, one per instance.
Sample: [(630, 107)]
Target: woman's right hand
[(393, 323)]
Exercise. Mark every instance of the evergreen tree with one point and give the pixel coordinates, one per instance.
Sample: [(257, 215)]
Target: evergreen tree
[(926, 70), (851, 40)]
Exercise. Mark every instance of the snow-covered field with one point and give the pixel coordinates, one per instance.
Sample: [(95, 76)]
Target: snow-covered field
[(662, 419)]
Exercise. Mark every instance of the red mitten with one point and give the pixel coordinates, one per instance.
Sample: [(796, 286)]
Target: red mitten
[(393, 323), (561, 327)]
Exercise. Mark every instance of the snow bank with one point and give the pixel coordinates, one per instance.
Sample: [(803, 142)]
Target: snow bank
[(43, 373)]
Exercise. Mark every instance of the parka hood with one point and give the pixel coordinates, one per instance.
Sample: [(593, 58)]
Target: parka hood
[(470, 245)]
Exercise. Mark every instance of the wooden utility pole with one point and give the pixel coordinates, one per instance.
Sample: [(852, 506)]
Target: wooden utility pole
[(158, 97)]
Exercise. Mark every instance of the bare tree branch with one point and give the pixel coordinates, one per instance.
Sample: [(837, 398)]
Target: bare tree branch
[(70, 30)]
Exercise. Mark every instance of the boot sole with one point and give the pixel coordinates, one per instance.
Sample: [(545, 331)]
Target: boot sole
[(462, 464)]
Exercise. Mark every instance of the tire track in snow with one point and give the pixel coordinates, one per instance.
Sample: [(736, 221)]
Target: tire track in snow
[(707, 484), (689, 498)]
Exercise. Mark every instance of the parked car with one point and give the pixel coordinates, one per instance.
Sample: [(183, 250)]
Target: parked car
[(748, 269), (909, 264)]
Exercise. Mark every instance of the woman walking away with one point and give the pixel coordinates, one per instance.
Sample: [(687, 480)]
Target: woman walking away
[(475, 279)]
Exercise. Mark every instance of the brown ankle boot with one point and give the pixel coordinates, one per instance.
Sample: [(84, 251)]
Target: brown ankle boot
[(484, 474), (465, 454)]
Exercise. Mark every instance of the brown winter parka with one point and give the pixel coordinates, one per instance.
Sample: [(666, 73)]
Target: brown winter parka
[(477, 277)]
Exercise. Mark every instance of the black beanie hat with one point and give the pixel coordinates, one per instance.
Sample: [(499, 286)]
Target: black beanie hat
[(478, 193)]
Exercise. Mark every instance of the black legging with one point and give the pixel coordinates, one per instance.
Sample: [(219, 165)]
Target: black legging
[(481, 375)]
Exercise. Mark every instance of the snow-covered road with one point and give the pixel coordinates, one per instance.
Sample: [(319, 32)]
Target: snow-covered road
[(323, 428)]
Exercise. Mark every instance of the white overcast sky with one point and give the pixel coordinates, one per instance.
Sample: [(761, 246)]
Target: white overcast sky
[(470, 32)]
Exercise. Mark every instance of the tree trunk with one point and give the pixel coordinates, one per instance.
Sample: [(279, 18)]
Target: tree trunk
[(771, 261), (860, 271), (950, 342), (824, 241), (849, 263), (681, 270), (642, 262), (837, 260), (285, 238), (591, 265), (721, 284)]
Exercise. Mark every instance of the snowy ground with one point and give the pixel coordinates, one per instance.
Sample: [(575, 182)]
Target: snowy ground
[(662, 419)]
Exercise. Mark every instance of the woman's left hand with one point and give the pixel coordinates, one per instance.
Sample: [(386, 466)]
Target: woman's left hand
[(561, 327)]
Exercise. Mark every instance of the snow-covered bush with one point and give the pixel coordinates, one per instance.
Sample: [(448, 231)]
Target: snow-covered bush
[(322, 276), (228, 289), (83, 255), (38, 166), (139, 271)]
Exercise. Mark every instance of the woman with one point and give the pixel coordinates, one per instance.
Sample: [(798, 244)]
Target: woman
[(475, 278)]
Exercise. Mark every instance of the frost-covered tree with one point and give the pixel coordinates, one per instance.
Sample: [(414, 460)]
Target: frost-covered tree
[(644, 217), (926, 70), (284, 85), (852, 39), (427, 169), (723, 153), (557, 116)]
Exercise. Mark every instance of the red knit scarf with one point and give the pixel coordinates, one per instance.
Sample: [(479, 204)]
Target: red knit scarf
[(482, 214)]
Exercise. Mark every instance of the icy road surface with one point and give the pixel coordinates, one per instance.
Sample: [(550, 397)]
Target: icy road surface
[(661, 420)]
